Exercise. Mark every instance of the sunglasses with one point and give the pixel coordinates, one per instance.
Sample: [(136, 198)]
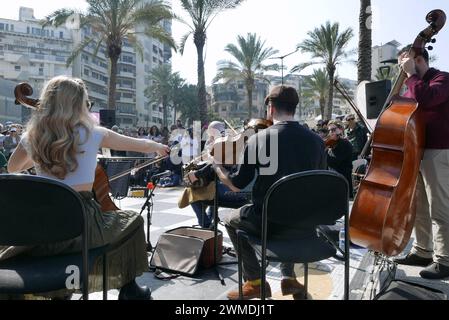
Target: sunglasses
[(333, 129), (89, 104)]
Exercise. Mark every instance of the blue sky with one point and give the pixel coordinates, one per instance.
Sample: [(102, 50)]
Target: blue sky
[(285, 23)]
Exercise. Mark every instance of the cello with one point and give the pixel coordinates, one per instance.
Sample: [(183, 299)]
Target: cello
[(383, 213)]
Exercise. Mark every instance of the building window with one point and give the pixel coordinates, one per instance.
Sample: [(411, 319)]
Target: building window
[(52, 34), (7, 27), (61, 34), (128, 59), (86, 72), (17, 68), (2, 26), (28, 30), (12, 27), (41, 71)]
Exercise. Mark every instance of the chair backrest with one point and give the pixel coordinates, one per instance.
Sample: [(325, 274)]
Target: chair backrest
[(307, 199), (36, 210)]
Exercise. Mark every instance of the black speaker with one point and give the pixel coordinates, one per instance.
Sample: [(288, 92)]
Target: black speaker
[(376, 95), (107, 118)]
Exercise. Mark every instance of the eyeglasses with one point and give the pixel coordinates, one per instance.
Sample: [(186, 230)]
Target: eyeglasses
[(350, 119), (333, 129)]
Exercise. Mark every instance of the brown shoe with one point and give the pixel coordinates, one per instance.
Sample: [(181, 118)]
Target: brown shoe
[(293, 287), (249, 292)]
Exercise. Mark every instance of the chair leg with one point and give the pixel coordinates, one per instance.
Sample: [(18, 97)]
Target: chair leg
[(263, 278), (105, 277), (240, 267), (306, 279)]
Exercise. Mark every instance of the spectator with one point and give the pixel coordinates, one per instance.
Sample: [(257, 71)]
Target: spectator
[(165, 133), (357, 136), (142, 133), (155, 134), (179, 124), (189, 146), (339, 155), (11, 141)]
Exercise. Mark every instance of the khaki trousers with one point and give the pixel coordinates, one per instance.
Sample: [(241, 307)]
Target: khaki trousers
[(432, 196)]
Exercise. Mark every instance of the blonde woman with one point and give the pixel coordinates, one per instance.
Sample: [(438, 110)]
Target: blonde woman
[(61, 142)]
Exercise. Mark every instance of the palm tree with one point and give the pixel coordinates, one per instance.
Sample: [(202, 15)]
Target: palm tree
[(176, 84), (316, 86), (202, 13), (188, 103), (365, 42), (113, 21), (163, 88), (250, 55), (328, 45)]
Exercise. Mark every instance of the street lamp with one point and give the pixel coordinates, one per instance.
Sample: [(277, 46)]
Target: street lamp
[(282, 62)]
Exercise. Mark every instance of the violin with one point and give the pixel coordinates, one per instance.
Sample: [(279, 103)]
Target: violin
[(331, 142), (228, 150)]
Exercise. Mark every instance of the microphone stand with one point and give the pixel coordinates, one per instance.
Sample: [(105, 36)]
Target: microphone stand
[(149, 205)]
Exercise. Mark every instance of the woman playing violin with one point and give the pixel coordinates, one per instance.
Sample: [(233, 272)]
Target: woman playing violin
[(339, 152), (61, 142)]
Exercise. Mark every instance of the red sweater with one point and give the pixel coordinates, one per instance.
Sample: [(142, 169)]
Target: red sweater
[(432, 94)]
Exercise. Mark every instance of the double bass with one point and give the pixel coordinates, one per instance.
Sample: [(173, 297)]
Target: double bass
[(383, 214)]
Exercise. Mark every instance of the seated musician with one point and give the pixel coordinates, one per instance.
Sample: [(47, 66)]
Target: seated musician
[(339, 153), (225, 195), (61, 142), (298, 150)]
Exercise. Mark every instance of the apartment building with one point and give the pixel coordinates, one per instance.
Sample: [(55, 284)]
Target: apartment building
[(34, 54)]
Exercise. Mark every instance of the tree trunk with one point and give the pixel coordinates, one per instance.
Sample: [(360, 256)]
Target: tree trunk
[(250, 103), (164, 109), (174, 114), (364, 63), (330, 102), (322, 106), (200, 40), (112, 82)]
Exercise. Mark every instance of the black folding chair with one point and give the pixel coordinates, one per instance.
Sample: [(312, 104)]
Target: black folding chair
[(294, 209), (38, 211)]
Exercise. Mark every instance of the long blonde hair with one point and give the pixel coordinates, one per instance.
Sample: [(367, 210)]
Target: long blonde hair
[(53, 130)]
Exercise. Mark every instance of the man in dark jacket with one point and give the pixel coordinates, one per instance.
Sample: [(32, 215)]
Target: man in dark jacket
[(291, 149)]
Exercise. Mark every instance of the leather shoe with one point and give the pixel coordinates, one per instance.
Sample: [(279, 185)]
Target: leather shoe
[(435, 271), (250, 292), (293, 287), (132, 291), (412, 259)]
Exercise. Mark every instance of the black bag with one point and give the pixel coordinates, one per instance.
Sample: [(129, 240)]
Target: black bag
[(184, 250), (402, 290)]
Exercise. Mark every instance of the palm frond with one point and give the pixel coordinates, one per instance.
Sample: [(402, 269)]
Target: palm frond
[(162, 35), (78, 49), (183, 42), (300, 67)]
